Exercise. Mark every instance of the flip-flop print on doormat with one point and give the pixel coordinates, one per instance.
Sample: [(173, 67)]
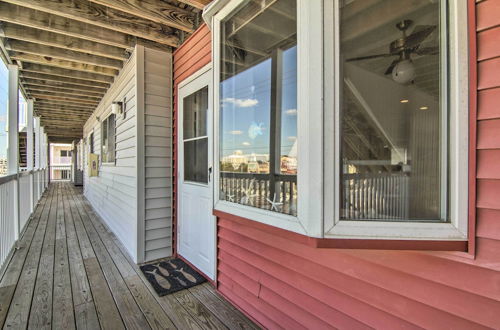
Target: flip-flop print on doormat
[(170, 276)]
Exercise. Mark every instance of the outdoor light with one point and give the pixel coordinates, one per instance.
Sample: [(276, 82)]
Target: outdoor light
[(117, 108), (424, 108), (404, 101)]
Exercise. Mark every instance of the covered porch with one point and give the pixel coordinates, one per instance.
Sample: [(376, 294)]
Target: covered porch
[(69, 271)]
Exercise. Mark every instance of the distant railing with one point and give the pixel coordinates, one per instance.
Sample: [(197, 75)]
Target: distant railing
[(257, 189), (19, 194), (64, 173), (369, 196)]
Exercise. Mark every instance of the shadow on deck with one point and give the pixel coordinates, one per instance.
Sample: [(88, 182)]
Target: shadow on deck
[(70, 272)]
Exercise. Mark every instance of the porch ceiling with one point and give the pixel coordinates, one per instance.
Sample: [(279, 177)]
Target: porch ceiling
[(69, 51)]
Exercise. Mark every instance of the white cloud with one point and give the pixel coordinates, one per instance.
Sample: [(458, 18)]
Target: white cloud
[(291, 112), (3, 118), (235, 132), (242, 103), (246, 143)]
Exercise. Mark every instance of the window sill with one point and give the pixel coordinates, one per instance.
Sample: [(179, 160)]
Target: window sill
[(273, 219), (111, 164)]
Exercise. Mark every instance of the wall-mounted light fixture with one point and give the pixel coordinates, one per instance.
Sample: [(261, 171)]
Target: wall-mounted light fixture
[(118, 107)]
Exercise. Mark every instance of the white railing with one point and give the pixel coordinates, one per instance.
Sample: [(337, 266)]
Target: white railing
[(19, 194), (375, 196), (63, 172), (8, 215)]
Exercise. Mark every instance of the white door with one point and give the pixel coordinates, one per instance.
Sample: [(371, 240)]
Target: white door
[(196, 224)]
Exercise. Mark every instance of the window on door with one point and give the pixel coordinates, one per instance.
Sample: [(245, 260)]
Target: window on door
[(195, 137)]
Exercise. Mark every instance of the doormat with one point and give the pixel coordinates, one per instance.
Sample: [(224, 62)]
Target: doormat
[(171, 276)]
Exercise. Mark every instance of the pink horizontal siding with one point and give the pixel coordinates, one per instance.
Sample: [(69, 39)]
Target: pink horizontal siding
[(282, 282)]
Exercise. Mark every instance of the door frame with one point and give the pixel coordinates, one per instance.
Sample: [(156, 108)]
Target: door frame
[(180, 161)]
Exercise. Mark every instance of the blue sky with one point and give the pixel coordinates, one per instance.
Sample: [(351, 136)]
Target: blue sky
[(245, 108)]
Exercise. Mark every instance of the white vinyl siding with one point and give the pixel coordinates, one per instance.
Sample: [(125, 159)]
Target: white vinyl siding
[(158, 154), (113, 193)]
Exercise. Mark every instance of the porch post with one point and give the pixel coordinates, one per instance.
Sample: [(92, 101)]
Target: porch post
[(29, 149), (29, 136), (37, 142), (13, 114), (13, 145)]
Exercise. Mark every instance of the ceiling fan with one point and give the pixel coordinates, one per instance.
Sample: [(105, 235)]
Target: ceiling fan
[(402, 68)]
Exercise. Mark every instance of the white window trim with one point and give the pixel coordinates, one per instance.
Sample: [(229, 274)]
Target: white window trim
[(113, 163), (456, 230), (310, 138)]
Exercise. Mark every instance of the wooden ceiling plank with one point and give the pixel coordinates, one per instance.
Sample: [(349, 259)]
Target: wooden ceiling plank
[(157, 11), (87, 99), (70, 65), (60, 85), (65, 81), (62, 54), (58, 103), (51, 104), (86, 12), (60, 98), (55, 71), (200, 4), (47, 22), (18, 32), (70, 92)]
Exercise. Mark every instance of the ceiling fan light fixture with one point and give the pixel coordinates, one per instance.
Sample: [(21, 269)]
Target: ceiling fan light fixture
[(404, 72)]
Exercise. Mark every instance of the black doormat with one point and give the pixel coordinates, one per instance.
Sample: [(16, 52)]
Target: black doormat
[(171, 276)]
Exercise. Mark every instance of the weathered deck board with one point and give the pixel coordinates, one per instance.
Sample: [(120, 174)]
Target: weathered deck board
[(71, 272)]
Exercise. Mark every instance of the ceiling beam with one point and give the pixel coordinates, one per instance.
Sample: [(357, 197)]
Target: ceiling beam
[(200, 4), (86, 12), (63, 105), (85, 99), (45, 60), (55, 96), (64, 81), (44, 21), (155, 10), (62, 54), (60, 85), (75, 92), (18, 32), (33, 67)]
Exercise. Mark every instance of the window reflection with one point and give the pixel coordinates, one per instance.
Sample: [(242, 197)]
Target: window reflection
[(258, 106), (393, 141)]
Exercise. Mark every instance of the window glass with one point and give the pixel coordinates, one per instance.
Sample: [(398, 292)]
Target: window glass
[(108, 139), (195, 108), (393, 112), (258, 106)]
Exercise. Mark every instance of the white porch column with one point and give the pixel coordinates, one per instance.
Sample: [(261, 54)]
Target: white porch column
[(29, 136), (37, 142), (13, 115), (29, 149)]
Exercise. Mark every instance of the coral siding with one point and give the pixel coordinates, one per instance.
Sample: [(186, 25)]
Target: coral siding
[(283, 280), (191, 56)]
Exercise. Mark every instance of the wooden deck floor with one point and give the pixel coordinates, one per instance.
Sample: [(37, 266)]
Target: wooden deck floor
[(71, 272)]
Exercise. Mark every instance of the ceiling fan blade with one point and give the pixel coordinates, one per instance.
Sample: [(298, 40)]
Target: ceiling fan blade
[(368, 57), (419, 34), (391, 67), (427, 51)]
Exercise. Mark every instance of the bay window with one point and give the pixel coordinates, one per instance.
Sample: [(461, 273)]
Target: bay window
[(343, 119)]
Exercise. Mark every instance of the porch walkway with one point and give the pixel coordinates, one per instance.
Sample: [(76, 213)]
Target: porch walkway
[(71, 272)]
